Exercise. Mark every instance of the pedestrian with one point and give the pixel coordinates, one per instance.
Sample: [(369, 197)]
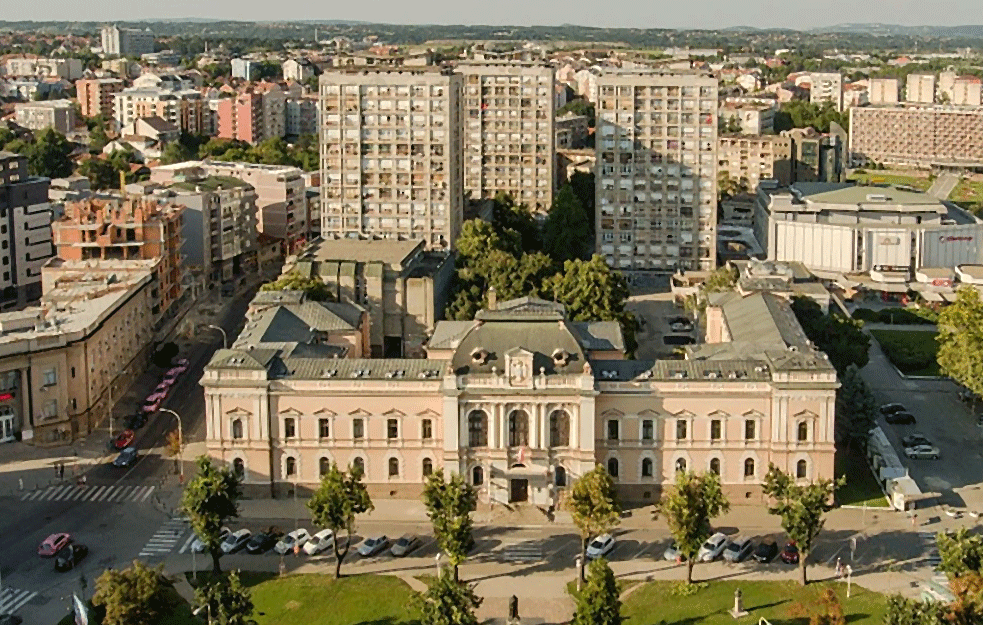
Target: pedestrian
[(20, 483), (839, 569), (914, 520), (61, 471)]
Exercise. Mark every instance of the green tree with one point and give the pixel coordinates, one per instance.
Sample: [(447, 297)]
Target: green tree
[(579, 107), (593, 505), (314, 288), (450, 503), (335, 504), (961, 339), (49, 156), (210, 499), (856, 408), (689, 505), (961, 553), (176, 152), (721, 280), (97, 138), (479, 237), (841, 338), (509, 216), (582, 184), (448, 602), (132, 596), (598, 603), (567, 231), (801, 507), (226, 600)]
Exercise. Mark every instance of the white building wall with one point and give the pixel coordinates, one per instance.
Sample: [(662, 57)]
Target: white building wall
[(948, 247), (887, 247), (818, 246)]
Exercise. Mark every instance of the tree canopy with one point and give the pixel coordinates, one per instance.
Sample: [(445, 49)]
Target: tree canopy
[(579, 106), (856, 408), (567, 231), (689, 505), (961, 339), (334, 505), (841, 338), (802, 114), (48, 153), (229, 602), (598, 603), (314, 288), (448, 602), (210, 499), (132, 596), (450, 503), (593, 506)]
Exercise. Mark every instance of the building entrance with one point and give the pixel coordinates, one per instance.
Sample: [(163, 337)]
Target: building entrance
[(519, 491)]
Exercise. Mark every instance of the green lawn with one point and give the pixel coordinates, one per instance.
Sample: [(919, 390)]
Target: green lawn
[(969, 195), (322, 600), (861, 486), (886, 177), (912, 352), (655, 603)]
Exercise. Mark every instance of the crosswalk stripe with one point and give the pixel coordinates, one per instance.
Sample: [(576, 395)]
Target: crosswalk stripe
[(80, 492), (120, 494), (96, 490), (187, 543), (136, 493), (110, 494), (64, 492), (12, 599), (149, 490), (37, 494)]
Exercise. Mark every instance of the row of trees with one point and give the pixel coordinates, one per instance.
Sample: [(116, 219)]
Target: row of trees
[(274, 151), (800, 114)]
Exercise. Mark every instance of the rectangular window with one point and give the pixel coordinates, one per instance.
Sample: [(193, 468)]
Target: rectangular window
[(681, 429), (749, 430), (715, 428), (358, 428), (289, 428), (324, 428), (50, 377), (427, 429), (612, 429), (648, 431), (392, 428)]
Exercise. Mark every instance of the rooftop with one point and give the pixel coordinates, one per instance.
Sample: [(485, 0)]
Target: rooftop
[(210, 183), (387, 251)]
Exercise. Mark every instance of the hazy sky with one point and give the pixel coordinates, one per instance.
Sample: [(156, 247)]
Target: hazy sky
[(640, 14)]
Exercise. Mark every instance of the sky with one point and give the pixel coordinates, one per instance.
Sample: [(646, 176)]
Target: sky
[(801, 14)]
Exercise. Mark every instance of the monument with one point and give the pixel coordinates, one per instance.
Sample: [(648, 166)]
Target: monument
[(738, 611), (514, 611)]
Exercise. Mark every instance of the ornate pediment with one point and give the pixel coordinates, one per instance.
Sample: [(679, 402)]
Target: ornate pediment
[(238, 412)]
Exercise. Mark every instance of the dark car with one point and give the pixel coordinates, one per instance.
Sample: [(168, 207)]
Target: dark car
[(136, 421), (901, 417), (765, 551), (887, 409), (69, 557), (123, 439), (126, 458), (790, 554), (264, 541)]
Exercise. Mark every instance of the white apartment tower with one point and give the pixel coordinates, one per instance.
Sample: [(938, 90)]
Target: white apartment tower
[(920, 88), (656, 191), (509, 131), (827, 87), (884, 90), (391, 154)]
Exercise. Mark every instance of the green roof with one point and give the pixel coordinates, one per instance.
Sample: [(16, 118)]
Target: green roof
[(211, 183)]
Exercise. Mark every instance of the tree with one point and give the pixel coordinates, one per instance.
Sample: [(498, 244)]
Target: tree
[(228, 601), (567, 231), (210, 499), (49, 155), (335, 504), (314, 288), (801, 507), (720, 280), (448, 602), (961, 339), (176, 152), (598, 603), (579, 106), (133, 596), (516, 217), (449, 506), (841, 338), (478, 237), (593, 505), (582, 184), (689, 506), (173, 447), (856, 408), (961, 553)]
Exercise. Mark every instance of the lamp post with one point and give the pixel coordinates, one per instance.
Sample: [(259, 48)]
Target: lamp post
[(225, 337), (180, 440)]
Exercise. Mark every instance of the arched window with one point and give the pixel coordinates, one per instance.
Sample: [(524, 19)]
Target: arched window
[(680, 464), (291, 466), (393, 467), (749, 467), (803, 431), (560, 477), (559, 429), (477, 476), (646, 467), (237, 429), (239, 468), (358, 464), (478, 429), (427, 467), (801, 469), (715, 465), (518, 429), (613, 467), (323, 466)]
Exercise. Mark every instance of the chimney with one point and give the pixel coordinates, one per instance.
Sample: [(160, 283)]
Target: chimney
[(492, 298)]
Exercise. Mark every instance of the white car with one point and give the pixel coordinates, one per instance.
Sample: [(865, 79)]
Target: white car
[(712, 548), (923, 451), (236, 541), (600, 546), (199, 546), (298, 537), (373, 545), (319, 542)]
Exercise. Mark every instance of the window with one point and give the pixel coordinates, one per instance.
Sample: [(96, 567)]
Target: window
[(239, 468), (358, 428), (393, 467), (50, 377), (427, 467), (324, 428), (478, 429), (613, 467), (715, 466), (560, 477), (519, 429), (749, 467), (477, 476), (323, 466), (392, 428), (73, 372), (715, 429), (427, 428), (648, 430), (559, 429), (803, 434), (681, 429), (237, 429), (801, 468), (612, 429), (358, 465), (749, 429), (646, 467), (291, 466)]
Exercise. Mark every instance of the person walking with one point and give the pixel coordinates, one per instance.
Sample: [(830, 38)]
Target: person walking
[(839, 569)]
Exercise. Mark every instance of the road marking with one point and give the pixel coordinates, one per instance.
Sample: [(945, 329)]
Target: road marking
[(638, 553), (121, 494), (11, 599), (187, 543), (79, 492), (135, 495), (149, 490), (96, 491), (65, 491)]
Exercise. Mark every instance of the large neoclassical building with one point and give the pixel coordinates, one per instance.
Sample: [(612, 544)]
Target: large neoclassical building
[(521, 400)]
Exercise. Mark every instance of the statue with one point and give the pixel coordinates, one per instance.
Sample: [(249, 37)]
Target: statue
[(587, 369), (738, 610)]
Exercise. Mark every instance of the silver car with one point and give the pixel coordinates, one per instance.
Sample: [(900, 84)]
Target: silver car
[(404, 545), (923, 451), (372, 546), (738, 549), (199, 545)]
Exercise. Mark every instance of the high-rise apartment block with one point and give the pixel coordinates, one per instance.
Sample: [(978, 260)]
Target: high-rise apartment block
[(917, 135), (241, 117), (126, 41), (301, 116), (25, 231), (97, 95), (391, 154), (509, 142), (69, 69), (185, 108), (920, 88), (750, 159), (827, 87), (884, 90), (57, 114), (966, 91), (656, 191)]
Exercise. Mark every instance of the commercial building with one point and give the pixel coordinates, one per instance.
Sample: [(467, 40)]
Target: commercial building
[(522, 401), (25, 231), (920, 88), (391, 154), (826, 87), (57, 114), (185, 108), (884, 90), (572, 131), (126, 41), (749, 159), (509, 133), (921, 136), (96, 96), (69, 69), (656, 143)]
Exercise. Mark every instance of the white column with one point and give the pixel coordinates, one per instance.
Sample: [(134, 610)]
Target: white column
[(493, 429), (544, 436), (534, 426), (575, 426), (503, 424)]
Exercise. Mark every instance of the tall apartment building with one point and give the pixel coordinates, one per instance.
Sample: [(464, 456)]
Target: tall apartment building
[(656, 191), (884, 90), (391, 154), (920, 88), (753, 118), (244, 68), (25, 231), (132, 228), (754, 158), (69, 69), (966, 91), (97, 95), (126, 41), (241, 117), (185, 109), (57, 114), (509, 132), (816, 156), (827, 87), (947, 83), (917, 135), (301, 117)]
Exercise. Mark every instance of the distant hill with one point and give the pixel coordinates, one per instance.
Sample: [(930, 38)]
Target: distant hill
[(897, 29)]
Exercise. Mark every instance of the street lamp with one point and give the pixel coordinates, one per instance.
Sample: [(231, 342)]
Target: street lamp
[(208, 608), (225, 337), (180, 439)]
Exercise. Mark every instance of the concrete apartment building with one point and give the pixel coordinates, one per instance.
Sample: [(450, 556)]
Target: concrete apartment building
[(241, 118), (967, 91), (754, 118), (826, 87), (56, 114), (245, 69), (133, 228), (920, 136), (752, 159), (391, 154), (920, 88), (509, 133), (96, 96), (817, 156), (947, 83), (572, 131), (126, 41), (25, 231), (522, 401), (301, 117), (69, 69), (656, 172), (884, 91), (299, 69), (185, 108)]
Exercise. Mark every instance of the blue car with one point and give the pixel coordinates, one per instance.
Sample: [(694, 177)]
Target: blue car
[(126, 458)]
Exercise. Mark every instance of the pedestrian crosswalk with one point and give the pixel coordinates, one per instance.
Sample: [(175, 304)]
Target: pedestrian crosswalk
[(95, 493), (11, 599), (521, 552), (165, 538)]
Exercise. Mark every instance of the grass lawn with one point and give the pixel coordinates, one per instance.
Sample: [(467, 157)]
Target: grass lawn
[(861, 486), (886, 177), (656, 603), (322, 600), (969, 195), (912, 352)]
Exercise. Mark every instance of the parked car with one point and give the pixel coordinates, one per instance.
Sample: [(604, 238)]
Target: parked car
[(236, 540), (672, 553), (152, 402), (126, 458), (738, 549), (136, 421), (712, 548), (319, 542), (53, 544), (297, 538), (766, 551), (199, 545), (600, 546), (915, 439), (887, 409), (405, 545), (124, 439), (182, 364), (373, 545), (920, 452), (790, 554), (69, 557), (903, 418), (264, 541)]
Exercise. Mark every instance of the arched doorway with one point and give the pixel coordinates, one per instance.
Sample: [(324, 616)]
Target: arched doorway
[(518, 487)]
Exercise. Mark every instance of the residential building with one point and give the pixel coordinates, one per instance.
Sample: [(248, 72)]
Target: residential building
[(572, 131), (826, 87), (34, 89), (160, 131), (522, 401), (246, 69), (884, 90), (301, 117), (169, 81), (391, 154), (241, 117), (656, 190), (69, 69), (966, 91), (299, 69), (947, 84), (274, 114), (126, 41), (164, 58), (856, 94), (509, 132), (25, 231), (754, 118), (750, 159), (816, 156), (921, 136), (920, 88), (96, 96), (184, 108), (57, 114)]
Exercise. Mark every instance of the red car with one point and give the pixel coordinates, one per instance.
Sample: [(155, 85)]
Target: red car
[(53, 544), (124, 439), (790, 554)]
